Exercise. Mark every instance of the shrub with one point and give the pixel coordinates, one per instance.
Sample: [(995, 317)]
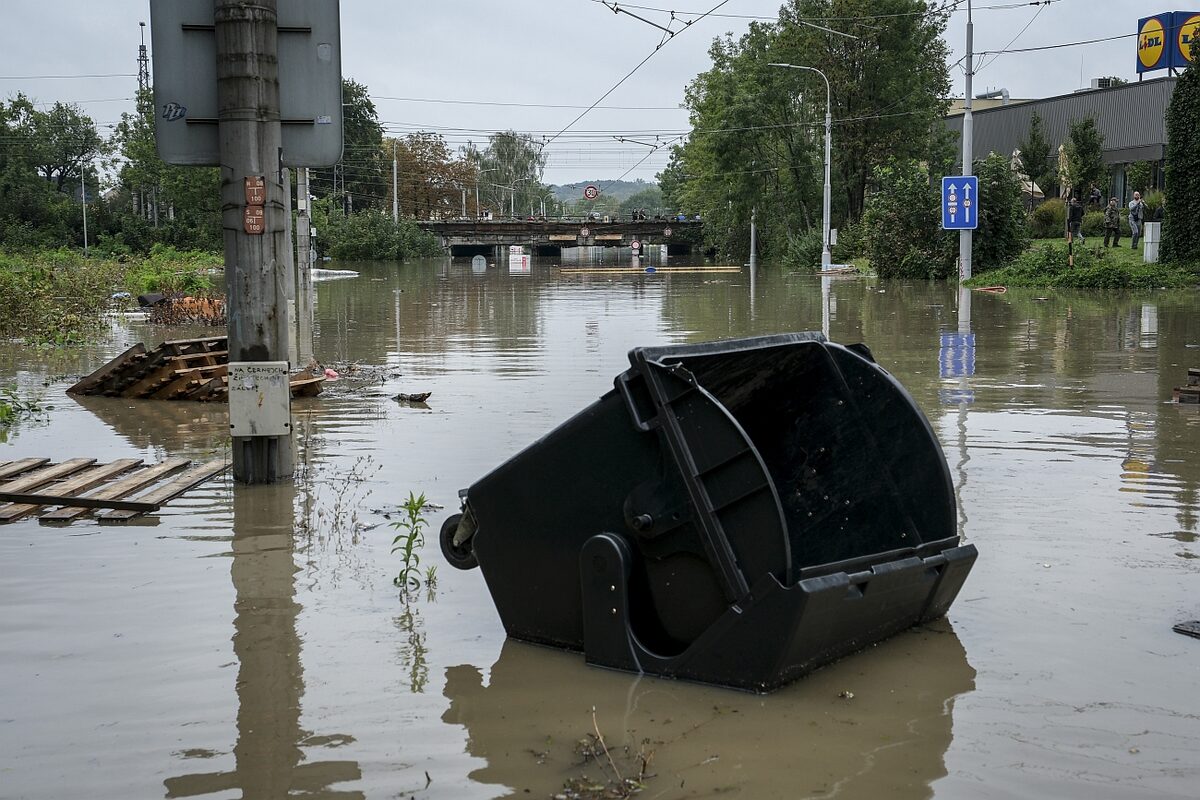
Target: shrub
[(902, 225), (1155, 203), (1002, 233), (851, 243), (1093, 224), (1049, 220), (1181, 226), (804, 250)]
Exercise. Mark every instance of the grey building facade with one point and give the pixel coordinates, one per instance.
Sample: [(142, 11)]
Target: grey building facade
[(1132, 118)]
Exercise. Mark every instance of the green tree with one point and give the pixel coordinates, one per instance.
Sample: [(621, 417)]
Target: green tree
[(1002, 233), (431, 179), (649, 200), (1035, 157), (757, 131), (1085, 156), (159, 202), (362, 179), (1138, 176), (510, 172), (1181, 227), (902, 225)]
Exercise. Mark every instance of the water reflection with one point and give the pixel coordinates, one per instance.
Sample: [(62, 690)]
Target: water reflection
[(877, 725), (270, 682)]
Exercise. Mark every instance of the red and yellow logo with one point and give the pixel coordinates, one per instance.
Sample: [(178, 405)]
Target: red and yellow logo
[(1151, 43), (1189, 31)]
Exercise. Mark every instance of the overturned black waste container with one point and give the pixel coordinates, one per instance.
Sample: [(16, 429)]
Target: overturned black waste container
[(737, 513)]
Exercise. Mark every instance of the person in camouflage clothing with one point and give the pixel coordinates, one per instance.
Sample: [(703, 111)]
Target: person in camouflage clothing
[(1112, 223)]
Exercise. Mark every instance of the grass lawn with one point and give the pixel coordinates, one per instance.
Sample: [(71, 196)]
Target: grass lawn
[(1045, 264)]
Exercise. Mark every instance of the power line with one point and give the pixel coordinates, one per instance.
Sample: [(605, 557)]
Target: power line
[(1056, 46), (66, 77), (525, 105)]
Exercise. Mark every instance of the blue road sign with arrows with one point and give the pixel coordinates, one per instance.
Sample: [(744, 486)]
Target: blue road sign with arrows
[(960, 202)]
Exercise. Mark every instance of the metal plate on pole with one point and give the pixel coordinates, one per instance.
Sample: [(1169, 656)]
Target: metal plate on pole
[(960, 203), (591, 192), (256, 191), (185, 82), (254, 221)]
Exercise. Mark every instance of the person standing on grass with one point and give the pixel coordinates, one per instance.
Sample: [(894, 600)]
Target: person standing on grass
[(1112, 223), (1137, 213), (1075, 220)]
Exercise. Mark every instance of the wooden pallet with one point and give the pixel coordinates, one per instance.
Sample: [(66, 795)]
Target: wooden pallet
[(186, 369), (79, 486), (1189, 394)]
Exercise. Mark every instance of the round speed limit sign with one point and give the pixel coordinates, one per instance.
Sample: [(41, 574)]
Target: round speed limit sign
[(635, 245), (591, 192)]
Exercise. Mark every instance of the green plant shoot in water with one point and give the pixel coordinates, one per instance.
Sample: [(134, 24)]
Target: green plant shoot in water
[(410, 538)]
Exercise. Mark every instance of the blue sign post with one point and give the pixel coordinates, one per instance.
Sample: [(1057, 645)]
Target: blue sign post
[(960, 203)]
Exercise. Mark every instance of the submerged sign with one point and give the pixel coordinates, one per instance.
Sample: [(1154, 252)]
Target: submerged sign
[(1164, 41)]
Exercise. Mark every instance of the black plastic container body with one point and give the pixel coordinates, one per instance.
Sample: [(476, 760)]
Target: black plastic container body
[(737, 512)]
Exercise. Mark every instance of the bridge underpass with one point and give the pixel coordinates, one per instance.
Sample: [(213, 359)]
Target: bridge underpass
[(549, 237)]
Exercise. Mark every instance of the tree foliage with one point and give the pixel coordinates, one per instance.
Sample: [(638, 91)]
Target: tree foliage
[(1002, 233), (1035, 155), (1181, 226), (362, 178), (430, 178), (757, 135), (510, 173), (902, 225), (1085, 159)]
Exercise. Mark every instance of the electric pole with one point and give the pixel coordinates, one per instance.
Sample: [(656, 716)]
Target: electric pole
[(395, 187), (965, 237), (252, 216)]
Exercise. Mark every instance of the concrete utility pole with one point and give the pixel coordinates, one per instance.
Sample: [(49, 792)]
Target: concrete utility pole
[(826, 252), (966, 237), (304, 284), (249, 131), (83, 198), (753, 240), (395, 186)]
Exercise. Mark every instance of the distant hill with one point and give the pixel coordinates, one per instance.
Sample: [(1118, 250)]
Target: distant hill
[(618, 190)]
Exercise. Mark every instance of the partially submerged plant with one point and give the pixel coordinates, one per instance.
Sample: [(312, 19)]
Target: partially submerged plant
[(410, 538)]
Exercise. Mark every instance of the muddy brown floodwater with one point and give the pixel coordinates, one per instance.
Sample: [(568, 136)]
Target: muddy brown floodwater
[(249, 643)]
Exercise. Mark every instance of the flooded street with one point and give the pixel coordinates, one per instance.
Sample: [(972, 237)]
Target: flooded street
[(250, 643)]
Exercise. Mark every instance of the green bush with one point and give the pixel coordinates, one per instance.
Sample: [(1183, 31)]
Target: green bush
[(851, 243), (54, 296), (1002, 233), (1049, 220), (804, 251), (901, 225), (1155, 201), (1093, 224), (369, 235)]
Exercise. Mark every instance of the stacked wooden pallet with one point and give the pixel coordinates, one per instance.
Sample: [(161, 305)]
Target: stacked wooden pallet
[(1191, 393), (187, 369), (117, 491)]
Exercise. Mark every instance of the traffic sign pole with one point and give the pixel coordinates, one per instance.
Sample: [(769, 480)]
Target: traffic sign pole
[(965, 238)]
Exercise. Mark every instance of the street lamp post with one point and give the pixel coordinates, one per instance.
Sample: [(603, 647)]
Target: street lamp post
[(826, 254)]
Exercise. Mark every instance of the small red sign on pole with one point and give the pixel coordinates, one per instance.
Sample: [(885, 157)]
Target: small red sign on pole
[(254, 221), (635, 244), (256, 190), (591, 192)]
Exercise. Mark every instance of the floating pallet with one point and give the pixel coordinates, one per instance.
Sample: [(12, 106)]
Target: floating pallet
[(1190, 394), (186, 369), (79, 486)]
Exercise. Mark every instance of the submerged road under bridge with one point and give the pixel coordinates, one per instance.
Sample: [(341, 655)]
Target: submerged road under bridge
[(550, 236)]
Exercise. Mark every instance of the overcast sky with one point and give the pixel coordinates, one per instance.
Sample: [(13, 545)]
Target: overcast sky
[(543, 53)]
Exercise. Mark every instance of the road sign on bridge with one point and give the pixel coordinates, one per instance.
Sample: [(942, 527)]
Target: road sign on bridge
[(960, 202)]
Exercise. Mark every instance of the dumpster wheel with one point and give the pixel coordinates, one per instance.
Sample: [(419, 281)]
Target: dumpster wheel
[(461, 555)]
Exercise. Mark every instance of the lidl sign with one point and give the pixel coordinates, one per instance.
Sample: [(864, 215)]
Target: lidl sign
[(1164, 41)]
